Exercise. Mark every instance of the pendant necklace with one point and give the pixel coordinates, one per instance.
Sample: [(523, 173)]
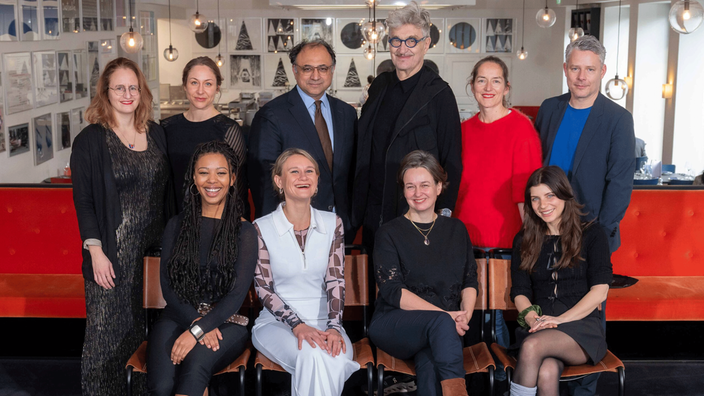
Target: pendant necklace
[(134, 140), (426, 241)]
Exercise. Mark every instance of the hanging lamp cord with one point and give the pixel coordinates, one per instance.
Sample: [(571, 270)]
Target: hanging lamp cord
[(169, 23), (618, 42), (523, 28)]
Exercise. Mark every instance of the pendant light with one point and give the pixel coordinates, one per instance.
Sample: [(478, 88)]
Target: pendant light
[(576, 32), (545, 16), (373, 31), (198, 22), (686, 16), (131, 41), (171, 53), (370, 52), (219, 59), (617, 88), (523, 54)]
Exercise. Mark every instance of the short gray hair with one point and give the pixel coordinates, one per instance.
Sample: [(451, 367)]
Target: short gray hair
[(586, 43), (411, 14)]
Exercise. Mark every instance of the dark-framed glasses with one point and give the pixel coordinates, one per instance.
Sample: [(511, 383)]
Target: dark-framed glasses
[(120, 90), (308, 69), (410, 42)]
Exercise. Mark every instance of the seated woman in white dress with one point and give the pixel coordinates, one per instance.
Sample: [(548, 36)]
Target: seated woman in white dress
[(300, 282)]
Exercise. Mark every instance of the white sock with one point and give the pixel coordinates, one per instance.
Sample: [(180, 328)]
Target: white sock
[(520, 390)]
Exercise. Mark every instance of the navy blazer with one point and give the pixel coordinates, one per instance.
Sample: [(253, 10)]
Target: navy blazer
[(285, 123), (604, 161)]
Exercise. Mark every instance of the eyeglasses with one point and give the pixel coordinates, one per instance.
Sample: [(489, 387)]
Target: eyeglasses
[(410, 42), (120, 90), (308, 70)]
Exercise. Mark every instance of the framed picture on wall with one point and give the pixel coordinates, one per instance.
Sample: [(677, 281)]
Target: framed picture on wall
[(280, 34), (65, 74), (70, 16), (19, 139), (107, 15), (318, 29), (80, 73), (43, 138), (437, 36), (278, 73), (50, 14), (244, 35), (349, 38), (498, 35), (351, 72), (29, 17), (8, 18), (245, 72), (63, 130), (463, 35), (121, 8), (19, 92), (89, 12), (93, 66), (77, 121), (46, 84)]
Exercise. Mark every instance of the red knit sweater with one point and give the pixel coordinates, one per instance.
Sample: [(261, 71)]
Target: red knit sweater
[(497, 158)]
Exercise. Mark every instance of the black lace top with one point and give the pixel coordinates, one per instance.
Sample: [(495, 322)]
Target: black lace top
[(437, 272)]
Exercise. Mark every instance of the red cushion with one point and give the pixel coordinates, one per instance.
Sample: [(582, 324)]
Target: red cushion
[(42, 295), (667, 298)]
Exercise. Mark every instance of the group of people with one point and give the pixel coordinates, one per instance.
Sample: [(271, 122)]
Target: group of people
[(424, 188)]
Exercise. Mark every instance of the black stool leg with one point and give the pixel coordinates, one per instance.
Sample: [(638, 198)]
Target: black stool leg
[(259, 380), (621, 382), (491, 381), (380, 381), (128, 371), (241, 381)]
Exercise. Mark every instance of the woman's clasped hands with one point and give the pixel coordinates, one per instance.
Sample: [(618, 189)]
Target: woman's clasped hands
[(544, 322), (330, 340), (461, 321)]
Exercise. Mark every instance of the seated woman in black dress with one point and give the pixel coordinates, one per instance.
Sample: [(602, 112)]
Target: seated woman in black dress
[(207, 265), (563, 266), (201, 123), (427, 280)]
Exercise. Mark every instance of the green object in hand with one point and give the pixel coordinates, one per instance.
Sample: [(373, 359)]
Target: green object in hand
[(522, 316)]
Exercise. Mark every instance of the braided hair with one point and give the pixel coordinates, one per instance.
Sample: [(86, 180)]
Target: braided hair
[(184, 270)]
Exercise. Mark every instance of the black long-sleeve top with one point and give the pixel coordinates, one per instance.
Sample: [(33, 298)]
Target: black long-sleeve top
[(183, 136), (183, 313), (570, 285), (437, 273)]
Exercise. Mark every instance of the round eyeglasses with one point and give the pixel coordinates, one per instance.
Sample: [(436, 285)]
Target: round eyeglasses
[(120, 90), (410, 42)]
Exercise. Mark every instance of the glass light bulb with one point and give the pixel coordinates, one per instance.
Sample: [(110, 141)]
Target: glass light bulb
[(616, 88), (219, 60), (170, 53), (686, 16), (575, 33), (373, 32), (198, 22), (522, 54), (545, 17), (131, 42), (370, 52)]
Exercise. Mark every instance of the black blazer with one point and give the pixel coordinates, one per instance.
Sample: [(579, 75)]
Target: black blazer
[(95, 192), (604, 161), (286, 123)]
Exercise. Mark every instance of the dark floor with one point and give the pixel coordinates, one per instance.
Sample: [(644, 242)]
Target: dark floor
[(661, 359)]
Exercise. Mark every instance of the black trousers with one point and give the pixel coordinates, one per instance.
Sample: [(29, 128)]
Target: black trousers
[(429, 338), (192, 376)]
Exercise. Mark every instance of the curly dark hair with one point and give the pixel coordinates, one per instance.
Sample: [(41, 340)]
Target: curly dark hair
[(184, 269)]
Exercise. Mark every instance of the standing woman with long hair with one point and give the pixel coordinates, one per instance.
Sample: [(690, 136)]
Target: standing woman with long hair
[(560, 272), (201, 123), (207, 265), (121, 192)]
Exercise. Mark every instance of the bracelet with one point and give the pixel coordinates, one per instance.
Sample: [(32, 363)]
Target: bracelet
[(522, 316), (197, 332)]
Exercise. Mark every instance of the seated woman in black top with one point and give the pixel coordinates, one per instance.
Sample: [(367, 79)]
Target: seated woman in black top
[(201, 123), (427, 280), (563, 266), (207, 265)]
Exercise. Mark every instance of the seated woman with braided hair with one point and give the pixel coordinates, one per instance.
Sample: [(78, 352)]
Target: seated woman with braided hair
[(563, 266), (207, 265)]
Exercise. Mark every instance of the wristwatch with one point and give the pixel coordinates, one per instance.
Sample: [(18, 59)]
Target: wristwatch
[(197, 332)]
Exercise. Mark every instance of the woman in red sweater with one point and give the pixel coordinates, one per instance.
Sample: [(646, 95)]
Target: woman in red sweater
[(500, 150)]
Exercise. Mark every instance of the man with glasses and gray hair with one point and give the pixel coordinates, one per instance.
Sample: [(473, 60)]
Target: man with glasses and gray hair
[(306, 118), (408, 109)]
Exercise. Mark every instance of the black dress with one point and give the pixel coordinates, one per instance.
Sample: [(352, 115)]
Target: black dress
[(558, 291), (115, 318), (182, 137)]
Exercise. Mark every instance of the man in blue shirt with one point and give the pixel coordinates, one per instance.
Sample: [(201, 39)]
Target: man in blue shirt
[(592, 139)]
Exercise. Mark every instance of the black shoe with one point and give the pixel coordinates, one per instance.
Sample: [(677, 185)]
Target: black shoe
[(398, 383)]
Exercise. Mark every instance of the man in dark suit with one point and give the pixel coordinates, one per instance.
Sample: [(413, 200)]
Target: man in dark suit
[(592, 139), (306, 118)]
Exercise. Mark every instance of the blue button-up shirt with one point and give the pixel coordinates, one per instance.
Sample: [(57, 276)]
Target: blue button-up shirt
[(324, 108)]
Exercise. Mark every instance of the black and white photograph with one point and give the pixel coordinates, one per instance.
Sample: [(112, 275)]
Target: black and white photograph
[(107, 15), (498, 34), (29, 17), (63, 130), (89, 8), (46, 86), (77, 120), (7, 22), (43, 139), (463, 35), (280, 34), (80, 75), (317, 29), (244, 34), (351, 72), (19, 94), (50, 14), (278, 73), (245, 71), (94, 65), (19, 139), (65, 84), (212, 36), (349, 38), (70, 16)]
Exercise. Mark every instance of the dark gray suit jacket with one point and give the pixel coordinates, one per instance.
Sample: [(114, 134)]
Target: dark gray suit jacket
[(604, 161), (285, 123)]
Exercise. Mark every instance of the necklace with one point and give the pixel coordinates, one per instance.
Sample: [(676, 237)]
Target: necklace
[(134, 140), (426, 241)]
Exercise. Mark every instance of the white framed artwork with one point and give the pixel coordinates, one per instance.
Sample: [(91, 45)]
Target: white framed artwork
[(280, 34), (46, 85), (63, 130), (43, 138), (65, 62), (351, 72), (244, 35), (19, 92), (498, 35), (463, 35), (348, 37), (278, 73), (19, 139), (317, 28), (245, 72)]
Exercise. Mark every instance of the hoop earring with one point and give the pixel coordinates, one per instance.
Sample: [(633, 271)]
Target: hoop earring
[(190, 189)]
